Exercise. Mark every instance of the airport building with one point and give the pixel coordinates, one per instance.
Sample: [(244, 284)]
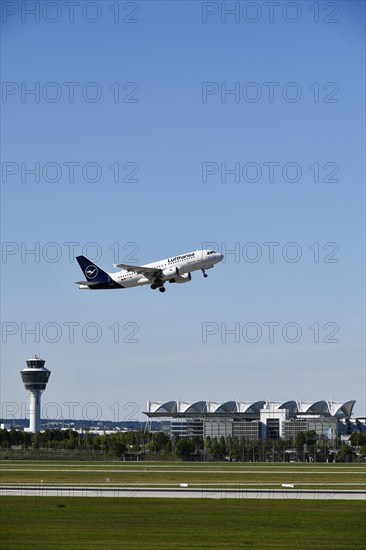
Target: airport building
[(35, 378), (256, 419)]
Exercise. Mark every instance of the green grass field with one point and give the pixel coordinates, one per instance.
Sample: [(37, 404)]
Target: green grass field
[(41, 523), (30, 523)]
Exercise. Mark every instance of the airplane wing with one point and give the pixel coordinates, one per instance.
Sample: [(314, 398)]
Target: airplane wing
[(86, 283), (149, 272)]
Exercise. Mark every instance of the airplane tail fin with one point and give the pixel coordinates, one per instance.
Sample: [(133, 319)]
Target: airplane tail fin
[(93, 273)]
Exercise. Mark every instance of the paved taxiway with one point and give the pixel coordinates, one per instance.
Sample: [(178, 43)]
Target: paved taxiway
[(145, 492)]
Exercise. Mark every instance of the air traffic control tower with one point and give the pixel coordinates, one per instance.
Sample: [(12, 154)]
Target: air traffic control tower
[(35, 377)]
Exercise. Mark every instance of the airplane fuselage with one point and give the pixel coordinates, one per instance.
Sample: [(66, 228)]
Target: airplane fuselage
[(172, 268)]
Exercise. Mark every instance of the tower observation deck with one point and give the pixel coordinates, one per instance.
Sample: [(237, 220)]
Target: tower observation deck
[(35, 378)]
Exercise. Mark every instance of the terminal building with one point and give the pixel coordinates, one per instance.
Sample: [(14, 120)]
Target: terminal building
[(256, 419)]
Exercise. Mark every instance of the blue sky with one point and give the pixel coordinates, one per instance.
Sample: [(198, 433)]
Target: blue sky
[(162, 132)]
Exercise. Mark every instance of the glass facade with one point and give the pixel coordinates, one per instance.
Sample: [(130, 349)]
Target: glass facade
[(35, 380), (323, 426), (249, 430)]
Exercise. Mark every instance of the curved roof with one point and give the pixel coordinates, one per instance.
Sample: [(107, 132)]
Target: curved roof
[(342, 410), (337, 409), (291, 406), (168, 407), (199, 407), (227, 407)]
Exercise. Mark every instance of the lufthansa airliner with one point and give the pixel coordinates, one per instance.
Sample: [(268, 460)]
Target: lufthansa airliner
[(177, 269)]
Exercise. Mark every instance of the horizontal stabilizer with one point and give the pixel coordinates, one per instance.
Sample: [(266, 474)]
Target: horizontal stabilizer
[(86, 283)]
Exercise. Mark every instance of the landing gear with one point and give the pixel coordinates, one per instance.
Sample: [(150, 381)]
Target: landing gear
[(204, 273), (158, 284)]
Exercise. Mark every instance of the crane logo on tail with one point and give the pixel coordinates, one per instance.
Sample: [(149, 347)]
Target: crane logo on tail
[(91, 271)]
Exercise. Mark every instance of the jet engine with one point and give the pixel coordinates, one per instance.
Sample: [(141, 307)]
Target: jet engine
[(185, 278), (170, 273)]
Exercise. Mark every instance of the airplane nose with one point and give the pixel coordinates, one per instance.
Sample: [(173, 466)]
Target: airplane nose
[(221, 257)]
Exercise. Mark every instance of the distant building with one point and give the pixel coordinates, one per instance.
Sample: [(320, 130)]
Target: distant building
[(254, 420)]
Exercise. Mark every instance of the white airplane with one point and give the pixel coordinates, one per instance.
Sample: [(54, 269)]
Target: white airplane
[(175, 270)]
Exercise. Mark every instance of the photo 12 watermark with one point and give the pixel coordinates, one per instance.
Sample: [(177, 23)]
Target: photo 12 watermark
[(70, 332), (269, 92), (269, 171), (269, 12), (53, 252), (73, 410), (269, 332), (70, 11), (72, 92), (271, 252), (266, 491), (69, 171)]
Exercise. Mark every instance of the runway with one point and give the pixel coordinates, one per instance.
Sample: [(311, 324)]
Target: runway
[(149, 469), (71, 491)]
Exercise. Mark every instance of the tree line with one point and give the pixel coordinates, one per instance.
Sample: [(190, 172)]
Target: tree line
[(305, 447)]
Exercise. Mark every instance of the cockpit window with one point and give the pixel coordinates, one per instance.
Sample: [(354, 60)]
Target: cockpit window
[(210, 252)]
